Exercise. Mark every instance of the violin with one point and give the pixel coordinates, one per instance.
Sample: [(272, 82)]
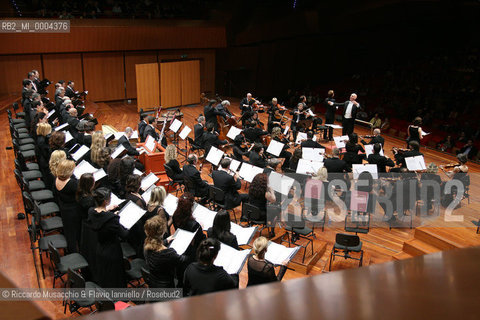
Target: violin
[(450, 165)]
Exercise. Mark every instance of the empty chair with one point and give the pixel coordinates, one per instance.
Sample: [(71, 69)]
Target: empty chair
[(60, 265), (133, 269), (346, 243), (254, 216), (296, 229), (76, 281)]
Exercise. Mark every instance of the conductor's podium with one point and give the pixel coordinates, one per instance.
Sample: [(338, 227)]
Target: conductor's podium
[(154, 162)]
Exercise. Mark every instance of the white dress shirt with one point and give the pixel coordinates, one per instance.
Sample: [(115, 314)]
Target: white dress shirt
[(348, 112)]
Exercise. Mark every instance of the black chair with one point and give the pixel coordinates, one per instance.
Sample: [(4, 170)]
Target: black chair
[(17, 122), (254, 216), (23, 165), (217, 200), (48, 225), (296, 229), (171, 179), (190, 187), (196, 148), (18, 115), (24, 184), (127, 250), (76, 281), (105, 304), (133, 270), (146, 275), (315, 209), (42, 195), (346, 243), (60, 265), (58, 240)]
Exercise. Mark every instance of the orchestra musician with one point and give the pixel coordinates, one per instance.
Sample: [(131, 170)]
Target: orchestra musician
[(299, 114), (240, 147), (210, 138), (309, 143), (230, 184), (354, 152), (400, 155), (377, 138), (246, 107), (256, 157), (458, 173), (381, 161), (253, 133), (329, 114), (199, 130), (141, 127), (285, 154), (350, 109), (210, 111)]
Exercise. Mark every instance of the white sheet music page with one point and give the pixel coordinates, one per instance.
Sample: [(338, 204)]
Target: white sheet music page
[(369, 150), (61, 127), (359, 168), (130, 214), (118, 135), (50, 113), (68, 136), (118, 150), (147, 194), (204, 216), (99, 174), (148, 181), (416, 163), (275, 147), (181, 241), (170, 204), (83, 167), (308, 166), (276, 253), (149, 144), (248, 172), (340, 141), (114, 200), (230, 259), (314, 154), (233, 132), (176, 124), (185, 132), (334, 126), (134, 135), (244, 235), (214, 156), (80, 153), (280, 183), (137, 172)]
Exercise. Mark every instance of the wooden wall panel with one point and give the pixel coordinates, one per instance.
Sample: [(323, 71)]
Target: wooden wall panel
[(190, 76), (170, 84), (148, 86), (118, 35), (132, 59), (63, 67), (14, 69), (104, 76)]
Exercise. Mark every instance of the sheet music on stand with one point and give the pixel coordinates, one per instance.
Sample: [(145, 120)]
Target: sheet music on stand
[(303, 136), (234, 164), (369, 150), (204, 216), (83, 167), (334, 126), (68, 136), (416, 163), (148, 181), (232, 260), (181, 241), (134, 135), (116, 201), (176, 124), (248, 172), (170, 204), (214, 156), (185, 132), (340, 141), (61, 127), (359, 168), (118, 135), (130, 214), (118, 151), (244, 235), (148, 193), (149, 144), (314, 154), (276, 253), (308, 166), (80, 153), (280, 183), (233, 132), (275, 147)]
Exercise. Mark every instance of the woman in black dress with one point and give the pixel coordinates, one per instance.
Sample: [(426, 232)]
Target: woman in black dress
[(183, 219), (136, 236), (65, 190), (297, 155), (84, 194), (109, 271), (171, 161), (221, 229), (259, 270), (415, 132), (43, 152), (203, 276), (353, 148), (118, 170), (155, 207), (163, 263), (259, 193)]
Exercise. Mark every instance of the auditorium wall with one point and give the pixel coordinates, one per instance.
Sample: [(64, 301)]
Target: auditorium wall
[(100, 56)]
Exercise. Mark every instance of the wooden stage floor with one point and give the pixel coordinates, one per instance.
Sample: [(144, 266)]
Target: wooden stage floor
[(380, 244)]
